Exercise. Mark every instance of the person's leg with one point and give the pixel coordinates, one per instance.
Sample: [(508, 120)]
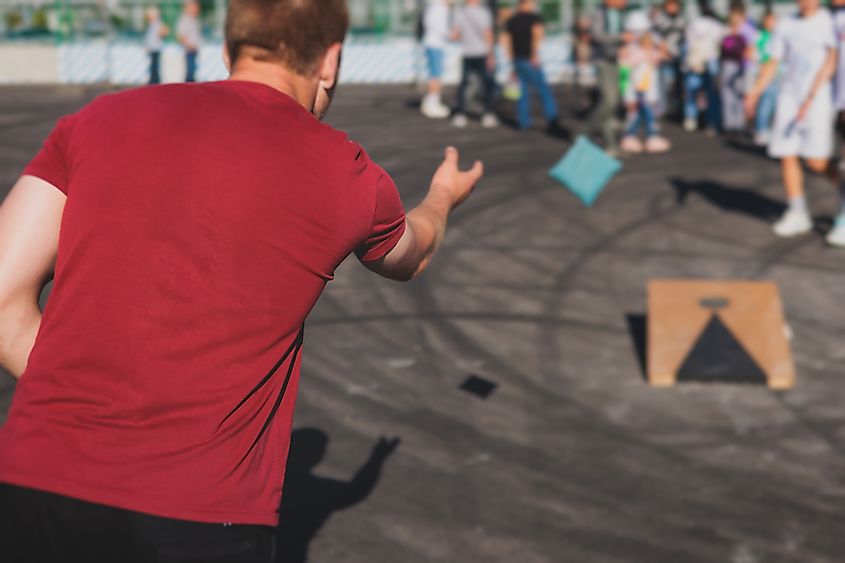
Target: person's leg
[(633, 120), (648, 119), (737, 111), (432, 105), (630, 142), (711, 89), (608, 98), (191, 66), (155, 62), (489, 80), (676, 93), (523, 106), (435, 70), (693, 83), (793, 177), (545, 92), (610, 86), (655, 143), (796, 220), (666, 75), (466, 64), (726, 94), (765, 113)]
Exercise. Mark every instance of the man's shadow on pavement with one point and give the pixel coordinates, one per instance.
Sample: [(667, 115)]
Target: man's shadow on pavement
[(309, 500)]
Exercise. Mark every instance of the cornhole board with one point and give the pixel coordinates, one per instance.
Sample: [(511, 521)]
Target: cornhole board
[(727, 331)]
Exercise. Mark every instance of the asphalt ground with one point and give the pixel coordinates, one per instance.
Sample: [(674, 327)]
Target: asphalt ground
[(571, 457)]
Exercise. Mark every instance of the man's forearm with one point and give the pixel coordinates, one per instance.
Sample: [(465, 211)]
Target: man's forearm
[(19, 324), (428, 221)]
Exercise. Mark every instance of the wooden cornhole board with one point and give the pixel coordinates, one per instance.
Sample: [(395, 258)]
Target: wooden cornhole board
[(717, 331)]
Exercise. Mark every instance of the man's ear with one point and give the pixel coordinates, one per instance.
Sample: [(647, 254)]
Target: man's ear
[(330, 67), (226, 60)]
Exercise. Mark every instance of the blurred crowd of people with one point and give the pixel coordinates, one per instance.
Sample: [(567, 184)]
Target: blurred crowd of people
[(188, 32), (776, 82)]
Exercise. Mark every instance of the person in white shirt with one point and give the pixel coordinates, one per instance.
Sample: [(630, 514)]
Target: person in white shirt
[(805, 46), (154, 42), (436, 31), (189, 31), (474, 28)]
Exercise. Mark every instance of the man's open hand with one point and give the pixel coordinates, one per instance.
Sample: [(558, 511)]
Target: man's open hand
[(454, 183)]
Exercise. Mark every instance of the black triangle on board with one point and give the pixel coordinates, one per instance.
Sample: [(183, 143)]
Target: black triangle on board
[(718, 356)]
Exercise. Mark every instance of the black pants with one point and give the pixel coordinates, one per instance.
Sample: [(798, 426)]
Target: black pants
[(155, 65), (39, 527), (476, 65)]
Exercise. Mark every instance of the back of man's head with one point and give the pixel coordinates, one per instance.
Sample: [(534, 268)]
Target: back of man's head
[(295, 33)]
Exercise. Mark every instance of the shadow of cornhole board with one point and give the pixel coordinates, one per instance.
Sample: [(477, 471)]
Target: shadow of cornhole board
[(726, 331)]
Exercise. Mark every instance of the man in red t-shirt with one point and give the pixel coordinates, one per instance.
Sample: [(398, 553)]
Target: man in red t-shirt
[(190, 229)]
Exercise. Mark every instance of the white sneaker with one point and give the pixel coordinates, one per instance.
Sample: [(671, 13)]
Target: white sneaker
[(793, 223), (434, 110), (762, 138), (489, 120), (836, 237), (460, 120), (690, 124)]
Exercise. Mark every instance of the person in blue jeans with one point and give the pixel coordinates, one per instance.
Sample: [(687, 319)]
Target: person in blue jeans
[(522, 38), (189, 32), (701, 67)]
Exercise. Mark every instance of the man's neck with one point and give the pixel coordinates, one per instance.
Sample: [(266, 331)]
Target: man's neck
[(297, 87), (810, 13)]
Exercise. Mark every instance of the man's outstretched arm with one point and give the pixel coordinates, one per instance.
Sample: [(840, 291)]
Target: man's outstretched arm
[(29, 236), (425, 225)]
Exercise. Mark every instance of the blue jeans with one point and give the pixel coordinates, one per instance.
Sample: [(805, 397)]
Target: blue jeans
[(766, 109), (694, 84), (532, 78), (155, 65), (434, 59), (190, 66), (641, 116)]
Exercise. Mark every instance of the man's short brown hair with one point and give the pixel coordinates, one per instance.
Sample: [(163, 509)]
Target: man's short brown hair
[(293, 32)]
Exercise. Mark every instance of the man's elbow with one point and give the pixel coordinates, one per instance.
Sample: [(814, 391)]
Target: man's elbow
[(404, 273)]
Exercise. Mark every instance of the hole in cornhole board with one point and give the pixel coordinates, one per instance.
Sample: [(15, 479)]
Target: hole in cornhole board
[(478, 386), (637, 323)]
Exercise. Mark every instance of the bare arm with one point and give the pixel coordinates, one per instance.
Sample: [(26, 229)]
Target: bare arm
[(490, 38), (29, 236), (507, 44), (537, 36), (767, 73), (425, 225), (825, 74)]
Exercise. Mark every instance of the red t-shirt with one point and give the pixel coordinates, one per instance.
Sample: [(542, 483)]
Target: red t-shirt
[(202, 223)]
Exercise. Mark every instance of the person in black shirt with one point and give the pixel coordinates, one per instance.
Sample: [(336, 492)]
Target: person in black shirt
[(522, 38)]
